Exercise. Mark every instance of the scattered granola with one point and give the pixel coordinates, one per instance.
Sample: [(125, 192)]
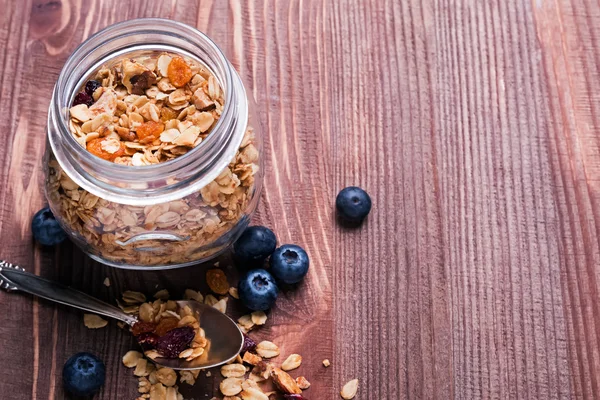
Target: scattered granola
[(267, 349), (326, 363), (302, 382), (292, 362), (349, 390), (93, 321), (146, 111), (106, 282)]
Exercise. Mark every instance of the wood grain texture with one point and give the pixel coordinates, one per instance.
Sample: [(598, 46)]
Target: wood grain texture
[(475, 127)]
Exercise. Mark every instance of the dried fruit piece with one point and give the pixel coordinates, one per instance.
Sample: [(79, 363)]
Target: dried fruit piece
[(175, 341), (179, 72), (267, 349), (95, 147), (167, 114), (249, 344), (165, 325), (294, 397), (148, 340), (142, 327), (284, 381), (302, 382), (217, 281), (349, 390), (83, 98), (292, 362), (91, 86), (149, 131), (231, 386)]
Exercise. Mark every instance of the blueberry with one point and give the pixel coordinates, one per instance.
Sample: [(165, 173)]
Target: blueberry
[(83, 98), (83, 374), (257, 290), (353, 204), (46, 229), (255, 245), (91, 86), (289, 263)]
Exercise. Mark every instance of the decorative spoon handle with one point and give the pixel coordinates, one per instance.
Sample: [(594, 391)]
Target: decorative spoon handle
[(13, 277)]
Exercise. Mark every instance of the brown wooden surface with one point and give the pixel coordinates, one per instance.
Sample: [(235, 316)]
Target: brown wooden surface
[(474, 125)]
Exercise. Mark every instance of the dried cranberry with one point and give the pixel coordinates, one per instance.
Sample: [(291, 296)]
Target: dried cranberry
[(83, 98), (142, 327), (91, 86), (175, 341), (294, 397), (148, 340), (249, 344)]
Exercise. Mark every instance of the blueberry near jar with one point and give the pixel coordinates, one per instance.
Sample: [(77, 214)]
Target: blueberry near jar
[(154, 154)]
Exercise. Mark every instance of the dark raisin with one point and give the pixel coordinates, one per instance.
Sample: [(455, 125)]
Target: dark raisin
[(139, 83), (91, 86), (175, 341), (148, 341), (294, 397), (142, 327), (249, 344), (83, 98)]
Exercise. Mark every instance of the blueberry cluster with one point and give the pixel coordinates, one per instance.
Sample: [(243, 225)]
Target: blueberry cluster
[(288, 264)]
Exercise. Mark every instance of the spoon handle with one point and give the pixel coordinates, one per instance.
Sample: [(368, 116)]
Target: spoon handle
[(13, 278)]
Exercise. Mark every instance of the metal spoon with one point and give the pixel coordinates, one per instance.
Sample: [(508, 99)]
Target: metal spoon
[(225, 338)]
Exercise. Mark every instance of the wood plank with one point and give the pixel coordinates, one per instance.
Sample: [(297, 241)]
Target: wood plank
[(473, 125)]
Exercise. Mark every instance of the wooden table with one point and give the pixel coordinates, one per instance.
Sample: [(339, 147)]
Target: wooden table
[(475, 127)]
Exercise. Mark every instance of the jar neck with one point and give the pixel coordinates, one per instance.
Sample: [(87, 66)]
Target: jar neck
[(162, 182)]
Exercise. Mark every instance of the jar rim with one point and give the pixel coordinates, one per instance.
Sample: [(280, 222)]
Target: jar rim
[(160, 182)]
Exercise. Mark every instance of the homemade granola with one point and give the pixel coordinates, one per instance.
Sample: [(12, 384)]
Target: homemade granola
[(140, 112)]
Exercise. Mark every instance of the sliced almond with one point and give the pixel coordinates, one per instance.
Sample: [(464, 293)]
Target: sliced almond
[(284, 381), (349, 390), (221, 305), (190, 294), (81, 112), (267, 349), (163, 64), (233, 292), (292, 362)]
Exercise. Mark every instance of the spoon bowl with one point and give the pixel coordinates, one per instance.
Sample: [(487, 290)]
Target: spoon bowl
[(225, 340)]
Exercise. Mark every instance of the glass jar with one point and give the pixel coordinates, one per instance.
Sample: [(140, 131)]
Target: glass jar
[(165, 215)]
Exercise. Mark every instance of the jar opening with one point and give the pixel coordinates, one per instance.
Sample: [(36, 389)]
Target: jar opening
[(165, 181)]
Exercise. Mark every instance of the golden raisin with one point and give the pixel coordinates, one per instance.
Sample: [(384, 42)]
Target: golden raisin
[(179, 72), (149, 131), (94, 146), (217, 281), (167, 114), (165, 325)]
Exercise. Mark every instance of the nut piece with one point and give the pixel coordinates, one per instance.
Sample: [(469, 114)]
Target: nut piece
[(326, 363), (259, 317), (166, 376), (302, 382), (267, 349), (217, 281), (349, 390), (233, 371), (251, 359), (231, 386), (131, 358), (292, 362), (285, 382), (233, 292), (93, 321), (190, 294), (221, 305)]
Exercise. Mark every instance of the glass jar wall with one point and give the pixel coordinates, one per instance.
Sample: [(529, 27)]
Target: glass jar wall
[(167, 214)]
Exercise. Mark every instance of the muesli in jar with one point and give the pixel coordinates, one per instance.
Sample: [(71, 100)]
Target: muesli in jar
[(143, 111)]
